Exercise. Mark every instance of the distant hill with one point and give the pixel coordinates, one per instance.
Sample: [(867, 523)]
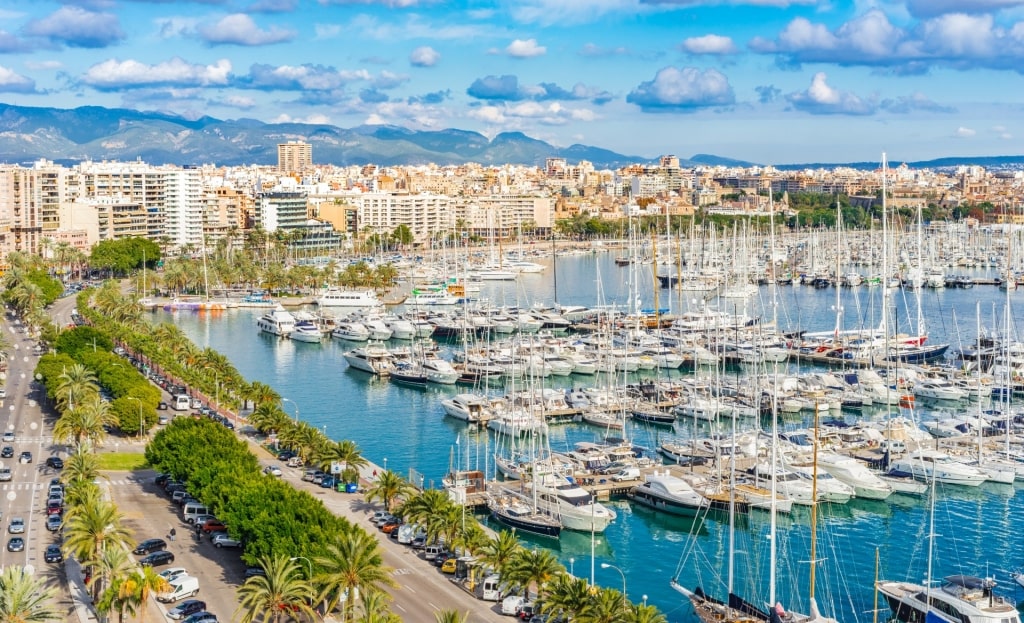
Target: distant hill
[(69, 136), (96, 133), (989, 162)]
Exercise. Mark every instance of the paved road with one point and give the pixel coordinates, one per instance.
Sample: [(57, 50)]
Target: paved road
[(24, 496)]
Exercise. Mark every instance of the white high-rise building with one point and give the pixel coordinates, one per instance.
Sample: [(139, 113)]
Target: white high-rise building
[(183, 207)]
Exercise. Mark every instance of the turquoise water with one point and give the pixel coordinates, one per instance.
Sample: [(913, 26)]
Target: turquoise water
[(406, 429)]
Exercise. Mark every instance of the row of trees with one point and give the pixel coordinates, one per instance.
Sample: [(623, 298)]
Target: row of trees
[(28, 289)]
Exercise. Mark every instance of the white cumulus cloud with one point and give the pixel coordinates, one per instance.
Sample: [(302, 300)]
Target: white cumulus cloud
[(525, 48), (424, 56), (115, 74), (822, 99), (240, 29), (708, 44), (963, 132)]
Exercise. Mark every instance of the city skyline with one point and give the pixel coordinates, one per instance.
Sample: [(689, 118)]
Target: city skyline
[(771, 81)]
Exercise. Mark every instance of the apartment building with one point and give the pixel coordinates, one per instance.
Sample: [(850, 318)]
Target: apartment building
[(294, 157), (425, 214)]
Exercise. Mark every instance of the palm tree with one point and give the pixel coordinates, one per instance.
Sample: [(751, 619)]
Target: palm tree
[(646, 614), (344, 451), (261, 392), (111, 568), (25, 598), (90, 528), (375, 609), (567, 596), (138, 587), (74, 384), (388, 488), (451, 616), (114, 599), (498, 551), (87, 421), (352, 562), (420, 508), (532, 569), (268, 416), (282, 591), (607, 606)]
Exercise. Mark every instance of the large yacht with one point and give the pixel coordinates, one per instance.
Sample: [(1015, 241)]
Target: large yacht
[(371, 358), (277, 321), (667, 493), (334, 297), (961, 598), (467, 407), (928, 464), (578, 510)]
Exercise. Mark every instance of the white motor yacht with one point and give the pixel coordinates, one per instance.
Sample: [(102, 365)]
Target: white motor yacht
[(440, 371), (467, 407), (400, 329), (855, 474), (378, 329), (515, 422), (928, 464), (960, 598), (578, 510), (667, 493), (351, 330), (372, 358), (334, 297), (277, 321), (938, 389), (307, 331)]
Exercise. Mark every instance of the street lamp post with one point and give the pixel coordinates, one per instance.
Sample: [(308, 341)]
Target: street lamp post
[(140, 413), (283, 399), (605, 565), (385, 463), (294, 558), (572, 567)]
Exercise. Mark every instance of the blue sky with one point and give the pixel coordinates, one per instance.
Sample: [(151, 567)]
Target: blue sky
[(771, 81)]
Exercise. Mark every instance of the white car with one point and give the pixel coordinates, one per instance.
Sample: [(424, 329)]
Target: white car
[(221, 539), (8, 436), (17, 525), (273, 470), (173, 572)]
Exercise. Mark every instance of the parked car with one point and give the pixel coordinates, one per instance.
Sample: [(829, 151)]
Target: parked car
[(150, 545), (25, 457), (186, 608), (202, 617), (294, 462), (55, 462), (162, 557), (251, 572), (17, 525), (53, 522), (285, 455), (222, 539), (214, 525), (53, 553), (273, 470), (16, 544), (54, 507), (328, 482), (162, 406), (173, 572), (390, 526), (449, 566)]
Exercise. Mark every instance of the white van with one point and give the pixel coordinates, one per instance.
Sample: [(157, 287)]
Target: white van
[(181, 587), (630, 473), (490, 589), (181, 402), (510, 605), (193, 510), (431, 552)]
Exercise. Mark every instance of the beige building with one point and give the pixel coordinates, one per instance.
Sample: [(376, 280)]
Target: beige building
[(294, 157)]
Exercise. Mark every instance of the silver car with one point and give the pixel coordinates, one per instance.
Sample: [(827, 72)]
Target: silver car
[(221, 539), (17, 525)]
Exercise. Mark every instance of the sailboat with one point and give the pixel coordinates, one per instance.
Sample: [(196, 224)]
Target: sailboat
[(736, 609)]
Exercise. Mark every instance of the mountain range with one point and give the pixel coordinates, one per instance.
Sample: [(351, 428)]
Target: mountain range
[(68, 136)]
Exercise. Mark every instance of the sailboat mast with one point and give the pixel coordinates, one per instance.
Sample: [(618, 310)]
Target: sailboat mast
[(772, 564), (814, 510), (654, 275)]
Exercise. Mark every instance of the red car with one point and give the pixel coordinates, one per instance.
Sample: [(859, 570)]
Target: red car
[(390, 527), (214, 525)]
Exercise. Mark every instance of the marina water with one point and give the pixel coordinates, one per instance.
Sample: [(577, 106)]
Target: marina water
[(977, 529)]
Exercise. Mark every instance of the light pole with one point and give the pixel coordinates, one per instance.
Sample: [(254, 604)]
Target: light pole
[(283, 399), (294, 558), (385, 463), (645, 601), (572, 567), (605, 565), (140, 413)]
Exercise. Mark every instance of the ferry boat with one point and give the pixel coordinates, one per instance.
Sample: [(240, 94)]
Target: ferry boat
[(334, 297), (278, 321)]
